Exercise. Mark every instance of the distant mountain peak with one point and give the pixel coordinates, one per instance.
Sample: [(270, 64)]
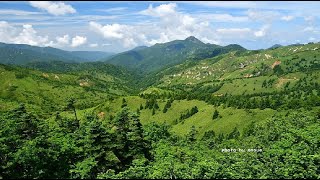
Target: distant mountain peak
[(275, 46), (193, 39), (139, 47)]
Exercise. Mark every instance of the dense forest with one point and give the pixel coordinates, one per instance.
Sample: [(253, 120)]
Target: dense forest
[(222, 112)]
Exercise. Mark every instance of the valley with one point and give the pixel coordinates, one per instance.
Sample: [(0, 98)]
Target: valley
[(185, 100)]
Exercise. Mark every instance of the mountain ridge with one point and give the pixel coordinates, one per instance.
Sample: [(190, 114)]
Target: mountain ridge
[(21, 54), (160, 55)]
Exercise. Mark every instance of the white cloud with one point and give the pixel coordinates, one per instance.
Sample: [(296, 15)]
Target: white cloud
[(29, 36), (63, 40), (262, 32), (78, 41), (26, 35), (93, 45), (224, 4), (311, 29), (287, 18), (222, 17), (233, 30), (54, 8), (176, 25), (172, 25), (6, 32), (116, 9), (17, 12), (109, 31), (128, 36), (263, 16), (234, 33), (161, 10)]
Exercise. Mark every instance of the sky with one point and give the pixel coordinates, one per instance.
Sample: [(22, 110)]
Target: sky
[(122, 25)]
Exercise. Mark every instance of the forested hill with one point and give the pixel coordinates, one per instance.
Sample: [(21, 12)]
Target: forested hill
[(21, 54), (159, 56), (213, 113)]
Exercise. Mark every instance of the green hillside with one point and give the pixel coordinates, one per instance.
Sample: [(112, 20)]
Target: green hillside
[(182, 109), (49, 91), (159, 56)]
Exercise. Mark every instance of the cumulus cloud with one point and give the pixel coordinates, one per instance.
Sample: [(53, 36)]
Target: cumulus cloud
[(6, 31), (127, 35), (110, 30), (176, 25), (262, 32), (161, 10), (171, 25), (64, 40), (54, 8), (78, 41), (27, 35)]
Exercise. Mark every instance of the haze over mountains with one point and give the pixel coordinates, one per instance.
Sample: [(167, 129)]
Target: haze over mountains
[(146, 59), (22, 54)]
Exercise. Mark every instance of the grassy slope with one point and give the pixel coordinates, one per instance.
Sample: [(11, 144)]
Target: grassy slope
[(44, 90), (202, 120), (227, 67)]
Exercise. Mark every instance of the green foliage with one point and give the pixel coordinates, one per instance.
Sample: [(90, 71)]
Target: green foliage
[(215, 114), (189, 113), (272, 116)]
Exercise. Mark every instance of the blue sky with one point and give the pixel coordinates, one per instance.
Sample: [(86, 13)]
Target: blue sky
[(118, 26)]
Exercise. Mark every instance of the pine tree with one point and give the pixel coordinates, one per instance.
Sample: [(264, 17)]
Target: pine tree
[(124, 103), (71, 105), (215, 114), (192, 134)]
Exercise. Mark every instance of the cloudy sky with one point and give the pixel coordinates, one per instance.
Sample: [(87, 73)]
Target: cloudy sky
[(119, 26)]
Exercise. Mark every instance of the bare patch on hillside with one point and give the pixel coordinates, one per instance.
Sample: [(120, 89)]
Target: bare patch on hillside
[(275, 63), (282, 81), (101, 115), (45, 75)]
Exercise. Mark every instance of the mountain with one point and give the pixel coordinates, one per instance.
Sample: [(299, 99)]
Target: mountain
[(275, 46), (187, 115), (139, 47), (22, 54), (158, 56), (91, 56), (44, 85)]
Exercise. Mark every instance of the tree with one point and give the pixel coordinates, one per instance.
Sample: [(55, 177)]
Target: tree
[(234, 134), (71, 105), (278, 70), (124, 103), (192, 134), (215, 114)]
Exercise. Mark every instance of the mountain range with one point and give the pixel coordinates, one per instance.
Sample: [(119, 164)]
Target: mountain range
[(21, 54), (183, 101), (142, 58)]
